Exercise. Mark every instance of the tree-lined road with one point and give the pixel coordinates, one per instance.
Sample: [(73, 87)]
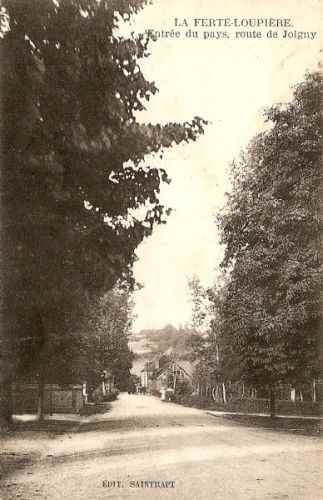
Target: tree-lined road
[(177, 452)]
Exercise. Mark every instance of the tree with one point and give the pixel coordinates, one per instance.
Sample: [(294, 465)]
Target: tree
[(73, 177), (201, 305), (271, 230), (204, 343), (103, 345)]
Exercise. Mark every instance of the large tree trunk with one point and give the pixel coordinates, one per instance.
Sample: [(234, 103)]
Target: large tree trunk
[(41, 397), (6, 403), (7, 371), (272, 403), (42, 367)]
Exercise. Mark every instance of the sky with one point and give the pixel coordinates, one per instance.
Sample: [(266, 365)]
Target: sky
[(228, 82)]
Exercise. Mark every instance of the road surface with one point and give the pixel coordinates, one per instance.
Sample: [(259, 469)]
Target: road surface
[(147, 449)]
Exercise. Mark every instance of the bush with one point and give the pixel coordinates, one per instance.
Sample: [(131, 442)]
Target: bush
[(111, 396), (183, 389), (183, 392), (193, 400), (247, 405)]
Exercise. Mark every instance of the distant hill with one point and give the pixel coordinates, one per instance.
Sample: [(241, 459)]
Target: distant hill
[(150, 342)]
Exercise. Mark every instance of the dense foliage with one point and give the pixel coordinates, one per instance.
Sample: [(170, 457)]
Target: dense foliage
[(262, 324), (77, 198), (104, 346), (271, 230)]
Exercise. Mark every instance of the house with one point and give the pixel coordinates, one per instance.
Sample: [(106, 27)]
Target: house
[(165, 372), (147, 374), (174, 373)]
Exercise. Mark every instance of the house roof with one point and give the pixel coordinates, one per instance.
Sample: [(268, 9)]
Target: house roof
[(186, 366)]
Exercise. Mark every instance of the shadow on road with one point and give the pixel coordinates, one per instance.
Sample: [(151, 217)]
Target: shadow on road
[(10, 462), (146, 422), (51, 426)]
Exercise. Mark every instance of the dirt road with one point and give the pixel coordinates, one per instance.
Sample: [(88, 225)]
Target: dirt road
[(144, 448)]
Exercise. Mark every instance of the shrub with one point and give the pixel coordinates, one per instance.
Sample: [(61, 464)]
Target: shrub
[(111, 396)]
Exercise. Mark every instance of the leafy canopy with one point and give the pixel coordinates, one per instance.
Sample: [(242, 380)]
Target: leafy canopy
[(271, 231), (78, 192)]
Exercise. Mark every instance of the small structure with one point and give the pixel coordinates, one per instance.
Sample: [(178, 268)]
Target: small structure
[(173, 374), (164, 373), (57, 398), (147, 374)]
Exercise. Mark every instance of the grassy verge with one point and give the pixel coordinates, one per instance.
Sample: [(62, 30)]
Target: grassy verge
[(308, 426)]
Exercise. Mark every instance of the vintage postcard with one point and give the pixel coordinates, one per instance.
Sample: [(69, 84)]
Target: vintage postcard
[(161, 239)]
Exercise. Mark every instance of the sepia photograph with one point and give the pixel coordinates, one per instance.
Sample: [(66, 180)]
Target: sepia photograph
[(161, 215)]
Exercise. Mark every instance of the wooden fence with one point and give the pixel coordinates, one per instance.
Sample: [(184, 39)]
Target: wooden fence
[(58, 399)]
